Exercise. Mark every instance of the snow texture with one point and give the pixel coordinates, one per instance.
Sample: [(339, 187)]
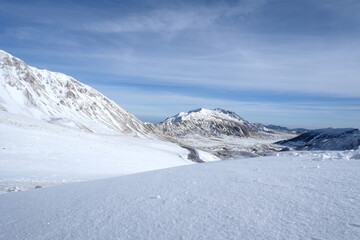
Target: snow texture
[(297, 195), (55, 130), (36, 153)]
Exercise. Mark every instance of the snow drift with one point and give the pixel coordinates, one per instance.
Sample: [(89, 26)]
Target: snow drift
[(279, 197)]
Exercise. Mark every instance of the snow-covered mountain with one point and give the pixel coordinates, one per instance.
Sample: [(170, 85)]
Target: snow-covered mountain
[(221, 133), (210, 123), (325, 139), (60, 99)]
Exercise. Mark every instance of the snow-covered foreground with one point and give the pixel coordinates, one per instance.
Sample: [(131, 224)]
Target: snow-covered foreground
[(292, 196), (37, 153)]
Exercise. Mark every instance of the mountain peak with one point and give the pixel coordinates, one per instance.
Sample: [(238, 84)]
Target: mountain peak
[(204, 114), (206, 122), (60, 99)]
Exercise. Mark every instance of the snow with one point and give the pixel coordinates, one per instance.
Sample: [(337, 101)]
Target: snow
[(207, 157), (202, 114), (290, 196), (219, 116), (55, 130), (45, 95), (221, 132), (36, 153), (56, 98)]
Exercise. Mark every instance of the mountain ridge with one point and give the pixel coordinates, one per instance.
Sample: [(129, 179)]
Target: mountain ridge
[(60, 99), (325, 139), (206, 122), (281, 128)]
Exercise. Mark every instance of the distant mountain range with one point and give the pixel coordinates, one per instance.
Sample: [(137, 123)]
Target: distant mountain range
[(325, 139), (280, 128), (60, 99)]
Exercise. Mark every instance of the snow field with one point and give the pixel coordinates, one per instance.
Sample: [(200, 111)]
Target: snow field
[(276, 197), (37, 153)]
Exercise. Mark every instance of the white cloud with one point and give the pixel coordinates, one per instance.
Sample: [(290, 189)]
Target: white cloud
[(159, 105), (161, 21), (325, 72), (174, 20), (226, 57)]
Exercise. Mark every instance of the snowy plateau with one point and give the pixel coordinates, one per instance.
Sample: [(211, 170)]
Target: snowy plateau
[(75, 165)]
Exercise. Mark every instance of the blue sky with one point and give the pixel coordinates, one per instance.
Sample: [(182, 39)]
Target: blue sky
[(294, 63)]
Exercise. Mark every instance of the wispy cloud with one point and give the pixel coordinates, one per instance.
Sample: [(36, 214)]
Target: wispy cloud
[(158, 21), (155, 106), (175, 20), (288, 48)]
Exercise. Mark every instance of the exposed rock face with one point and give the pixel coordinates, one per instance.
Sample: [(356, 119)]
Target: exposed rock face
[(325, 139), (220, 132), (60, 99), (210, 123)]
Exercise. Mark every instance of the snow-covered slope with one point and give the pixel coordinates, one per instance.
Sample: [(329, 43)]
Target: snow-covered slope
[(37, 153), (60, 99), (325, 139), (210, 123), (293, 196)]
